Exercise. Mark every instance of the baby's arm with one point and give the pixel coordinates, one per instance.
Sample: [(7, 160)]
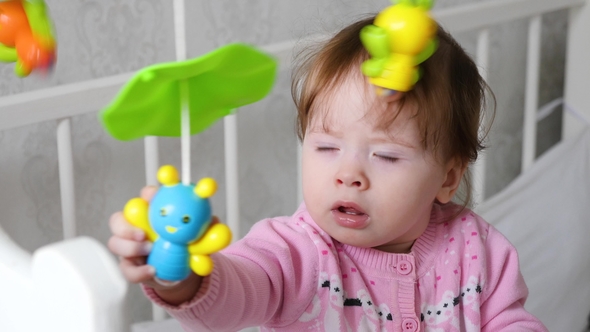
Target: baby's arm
[(504, 295), (131, 245), (269, 277)]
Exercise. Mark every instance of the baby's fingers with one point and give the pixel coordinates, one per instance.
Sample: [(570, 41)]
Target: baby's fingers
[(120, 227), (129, 248), (136, 273), (148, 192)]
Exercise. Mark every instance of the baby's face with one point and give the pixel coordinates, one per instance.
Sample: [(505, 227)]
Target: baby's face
[(364, 186)]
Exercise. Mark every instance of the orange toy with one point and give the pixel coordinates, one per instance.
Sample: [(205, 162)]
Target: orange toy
[(25, 36)]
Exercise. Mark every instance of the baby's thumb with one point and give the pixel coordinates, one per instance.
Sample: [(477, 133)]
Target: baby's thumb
[(148, 192)]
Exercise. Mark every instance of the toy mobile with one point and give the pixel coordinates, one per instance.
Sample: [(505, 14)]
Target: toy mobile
[(179, 219)]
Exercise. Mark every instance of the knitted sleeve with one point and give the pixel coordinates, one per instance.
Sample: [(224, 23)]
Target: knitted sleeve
[(505, 292), (269, 277)]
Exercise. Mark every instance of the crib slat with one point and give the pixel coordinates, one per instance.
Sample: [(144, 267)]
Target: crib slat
[(529, 134), (66, 177), (479, 168), (299, 179), (230, 132), (577, 74)]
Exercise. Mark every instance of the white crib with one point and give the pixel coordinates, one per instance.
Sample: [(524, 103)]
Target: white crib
[(75, 284)]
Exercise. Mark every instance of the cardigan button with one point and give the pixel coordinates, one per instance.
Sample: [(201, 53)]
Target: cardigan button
[(404, 267), (409, 325)]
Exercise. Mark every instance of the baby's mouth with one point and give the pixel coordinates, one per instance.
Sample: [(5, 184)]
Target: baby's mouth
[(350, 210), (350, 215)]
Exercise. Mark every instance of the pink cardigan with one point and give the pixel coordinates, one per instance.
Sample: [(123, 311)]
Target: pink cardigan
[(288, 275)]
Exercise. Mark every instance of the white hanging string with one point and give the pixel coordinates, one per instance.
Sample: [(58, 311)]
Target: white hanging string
[(577, 114), (551, 106), (185, 130), (158, 313), (548, 108)]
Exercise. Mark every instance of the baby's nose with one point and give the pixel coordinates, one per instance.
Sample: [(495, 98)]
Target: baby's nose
[(352, 177)]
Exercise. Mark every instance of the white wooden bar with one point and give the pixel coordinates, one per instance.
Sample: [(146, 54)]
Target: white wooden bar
[(66, 177), (479, 168), (531, 98), (484, 14), (577, 95), (299, 177), (179, 30), (59, 102)]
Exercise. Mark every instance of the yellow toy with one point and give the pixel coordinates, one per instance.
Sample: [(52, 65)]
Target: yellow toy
[(179, 222), (402, 37)]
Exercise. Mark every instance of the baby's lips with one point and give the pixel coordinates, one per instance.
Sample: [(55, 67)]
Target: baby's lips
[(348, 205)]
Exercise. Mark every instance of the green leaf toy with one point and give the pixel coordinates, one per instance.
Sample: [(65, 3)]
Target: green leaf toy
[(217, 83)]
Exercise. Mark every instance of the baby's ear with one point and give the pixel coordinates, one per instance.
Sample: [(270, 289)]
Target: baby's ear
[(455, 168)]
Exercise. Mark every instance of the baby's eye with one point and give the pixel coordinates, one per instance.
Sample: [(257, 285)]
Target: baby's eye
[(386, 158), (186, 219), (163, 212), (325, 148)]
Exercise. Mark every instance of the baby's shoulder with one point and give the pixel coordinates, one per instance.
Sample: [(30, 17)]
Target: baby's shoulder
[(463, 230), (465, 221), (470, 233)]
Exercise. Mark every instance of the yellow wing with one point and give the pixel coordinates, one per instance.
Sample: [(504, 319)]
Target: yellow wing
[(136, 213), (217, 237), (201, 265)]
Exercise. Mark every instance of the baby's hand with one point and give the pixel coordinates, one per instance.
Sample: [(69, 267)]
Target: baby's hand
[(131, 245)]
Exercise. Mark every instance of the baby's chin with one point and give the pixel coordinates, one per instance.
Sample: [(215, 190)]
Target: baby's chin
[(396, 248), (363, 239), (352, 238)]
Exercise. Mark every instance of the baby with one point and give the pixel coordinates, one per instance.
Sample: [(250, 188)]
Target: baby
[(378, 244)]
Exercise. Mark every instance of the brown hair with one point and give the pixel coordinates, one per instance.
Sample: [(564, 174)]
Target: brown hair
[(448, 98)]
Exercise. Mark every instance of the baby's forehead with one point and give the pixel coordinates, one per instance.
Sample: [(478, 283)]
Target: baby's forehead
[(334, 110), (332, 123)]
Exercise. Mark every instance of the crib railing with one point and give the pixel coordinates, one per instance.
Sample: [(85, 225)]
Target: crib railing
[(481, 17), (63, 102)]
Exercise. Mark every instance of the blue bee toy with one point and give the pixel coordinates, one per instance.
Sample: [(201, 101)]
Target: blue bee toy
[(179, 222)]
